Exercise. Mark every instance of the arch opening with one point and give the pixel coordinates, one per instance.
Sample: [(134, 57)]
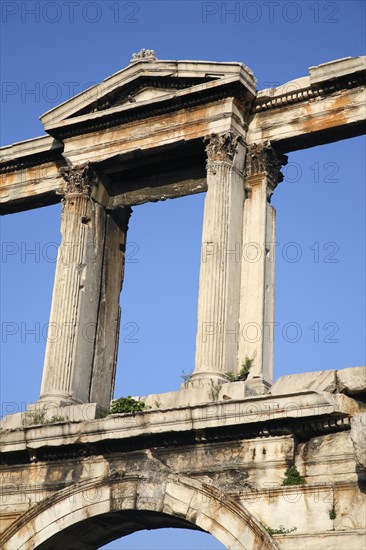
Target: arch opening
[(166, 539), (91, 513), (98, 531)]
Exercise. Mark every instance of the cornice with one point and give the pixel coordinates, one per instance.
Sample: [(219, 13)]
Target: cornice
[(305, 94), (22, 163), (302, 429)]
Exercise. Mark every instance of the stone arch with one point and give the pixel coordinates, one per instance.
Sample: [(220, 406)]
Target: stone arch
[(98, 511)]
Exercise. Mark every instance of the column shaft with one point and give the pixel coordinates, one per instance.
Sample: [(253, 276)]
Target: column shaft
[(68, 332), (84, 322), (219, 286)]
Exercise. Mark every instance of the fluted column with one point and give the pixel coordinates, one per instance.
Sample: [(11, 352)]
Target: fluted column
[(219, 285), (75, 294), (77, 328), (258, 265)]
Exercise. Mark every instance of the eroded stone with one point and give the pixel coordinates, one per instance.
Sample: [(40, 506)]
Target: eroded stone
[(358, 437), (317, 381), (352, 380)]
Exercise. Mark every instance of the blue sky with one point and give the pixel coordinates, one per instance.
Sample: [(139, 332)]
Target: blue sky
[(51, 50)]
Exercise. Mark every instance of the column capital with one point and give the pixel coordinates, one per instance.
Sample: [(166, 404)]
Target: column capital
[(261, 160), (221, 148), (78, 180)]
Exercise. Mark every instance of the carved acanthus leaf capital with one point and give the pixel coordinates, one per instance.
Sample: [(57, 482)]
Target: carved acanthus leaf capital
[(221, 147), (263, 159), (78, 179)]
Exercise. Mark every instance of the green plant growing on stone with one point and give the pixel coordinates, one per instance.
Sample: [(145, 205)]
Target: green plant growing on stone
[(293, 477), (157, 403), (280, 531), (231, 376), (213, 392), (56, 419), (127, 405), (332, 513), (40, 418), (243, 373), (246, 366), (186, 377)]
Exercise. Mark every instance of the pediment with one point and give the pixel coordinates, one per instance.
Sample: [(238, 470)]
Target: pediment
[(143, 89), (142, 82)]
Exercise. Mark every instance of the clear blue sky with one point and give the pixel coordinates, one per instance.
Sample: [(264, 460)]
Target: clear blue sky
[(51, 50)]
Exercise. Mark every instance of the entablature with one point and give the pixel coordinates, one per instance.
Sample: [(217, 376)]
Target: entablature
[(302, 414), (153, 105)]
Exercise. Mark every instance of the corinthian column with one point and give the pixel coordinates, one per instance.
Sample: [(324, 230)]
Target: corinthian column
[(219, 286), (78, 327), (258, 265), (69, 355)]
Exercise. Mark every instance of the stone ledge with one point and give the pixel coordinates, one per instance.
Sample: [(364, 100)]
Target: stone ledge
[(250, 412), (324, 380), (327, 540), (190, 396), (336, 69), (350, 381), (40, 414)]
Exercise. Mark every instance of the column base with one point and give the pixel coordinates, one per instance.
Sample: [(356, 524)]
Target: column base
[(51, 410), (257, 386), (49, 401), (201, 379)]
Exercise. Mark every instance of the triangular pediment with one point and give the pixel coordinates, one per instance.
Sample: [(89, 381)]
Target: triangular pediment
[(143, 82), (145, 88)]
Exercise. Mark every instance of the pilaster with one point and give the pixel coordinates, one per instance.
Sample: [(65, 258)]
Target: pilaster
[(262, 175)]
